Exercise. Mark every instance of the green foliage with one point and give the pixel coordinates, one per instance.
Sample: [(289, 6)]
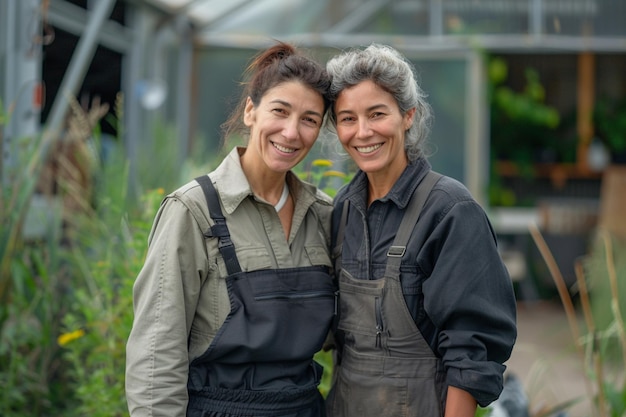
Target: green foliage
[(600, 278), (597, 272), (106, 250), (29, 359), (524, 130), (483, 412), (522, 125), (31, 296), (108, 256), (609, 117), (325, 358), (319, 173)]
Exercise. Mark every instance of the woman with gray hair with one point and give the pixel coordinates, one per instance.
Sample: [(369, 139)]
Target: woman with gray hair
[(427, 309)]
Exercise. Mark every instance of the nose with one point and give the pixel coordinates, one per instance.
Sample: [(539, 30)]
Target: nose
[(290, 129), (364, 131)]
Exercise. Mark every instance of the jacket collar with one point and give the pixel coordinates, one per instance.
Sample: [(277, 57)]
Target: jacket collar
[(234, 187), (400, 193)]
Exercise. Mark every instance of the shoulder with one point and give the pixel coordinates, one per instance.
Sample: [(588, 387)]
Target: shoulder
[(190, 194), (191, 198), (309, 192), (450, 191), (450, 199)]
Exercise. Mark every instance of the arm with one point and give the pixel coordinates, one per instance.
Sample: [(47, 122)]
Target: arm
[(469, 297), (164, 295), (459, 403)]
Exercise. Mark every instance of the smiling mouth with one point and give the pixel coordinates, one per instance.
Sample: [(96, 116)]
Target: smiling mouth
[(368, 149), (282, 148)]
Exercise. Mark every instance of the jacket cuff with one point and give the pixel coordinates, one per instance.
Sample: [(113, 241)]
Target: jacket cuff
[(484, 385)]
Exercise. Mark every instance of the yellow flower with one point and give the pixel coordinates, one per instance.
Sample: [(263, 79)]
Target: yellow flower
[(322, 163), (66, 338), (334, 174)]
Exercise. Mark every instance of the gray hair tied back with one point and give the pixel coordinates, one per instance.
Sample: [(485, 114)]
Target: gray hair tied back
[(392, 72)]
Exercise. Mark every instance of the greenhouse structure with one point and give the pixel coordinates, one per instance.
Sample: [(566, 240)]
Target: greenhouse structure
[(178, 63)]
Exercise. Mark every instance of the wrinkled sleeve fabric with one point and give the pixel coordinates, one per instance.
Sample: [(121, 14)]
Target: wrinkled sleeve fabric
[(165, 295), (469, 297)]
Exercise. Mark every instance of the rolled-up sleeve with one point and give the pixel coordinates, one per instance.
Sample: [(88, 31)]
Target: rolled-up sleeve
[(469, 297), (165, 295)]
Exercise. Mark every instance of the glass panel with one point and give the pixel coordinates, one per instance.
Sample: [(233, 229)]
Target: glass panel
[(444, 80), (205, 12), (172, 4), (463, 17), (276, 17), (218, 90), (585, 17), (399, 18)]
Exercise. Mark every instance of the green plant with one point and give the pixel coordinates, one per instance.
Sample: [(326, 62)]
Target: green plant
[(32, 369), (318, 173), (32, 278), (108, 256), (522, 125), (107, 242), (523, 129), (594, 345), (609, 119)]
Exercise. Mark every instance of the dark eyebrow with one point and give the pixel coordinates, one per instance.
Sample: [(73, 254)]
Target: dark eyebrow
[(288, 105)]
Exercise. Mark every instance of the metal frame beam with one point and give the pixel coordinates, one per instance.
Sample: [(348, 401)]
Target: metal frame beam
[(426, 44), (357, 17), (78, 65), (73, 19)]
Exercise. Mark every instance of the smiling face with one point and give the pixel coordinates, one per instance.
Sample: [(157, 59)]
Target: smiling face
[(371, 128), (283, 127)]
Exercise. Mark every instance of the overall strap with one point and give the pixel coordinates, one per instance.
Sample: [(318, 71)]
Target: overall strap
[(219, 229), (409, 220), (337, 250)]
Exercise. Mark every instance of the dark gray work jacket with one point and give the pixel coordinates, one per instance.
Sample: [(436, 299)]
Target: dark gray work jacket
[(454, 282)]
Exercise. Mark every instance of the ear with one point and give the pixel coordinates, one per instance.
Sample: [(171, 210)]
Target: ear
[(408, 118), (248, 113)]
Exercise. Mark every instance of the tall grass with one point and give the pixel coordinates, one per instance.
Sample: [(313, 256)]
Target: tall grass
[(30, 301), (601, 343)]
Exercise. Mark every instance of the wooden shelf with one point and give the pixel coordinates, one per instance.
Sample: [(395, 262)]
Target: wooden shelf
[(558, 173)]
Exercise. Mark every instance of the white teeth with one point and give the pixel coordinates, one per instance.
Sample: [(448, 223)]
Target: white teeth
[(368, 149), (282, 148)]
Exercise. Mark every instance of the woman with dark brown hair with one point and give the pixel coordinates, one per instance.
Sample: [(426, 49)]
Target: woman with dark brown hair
[(235, 296)]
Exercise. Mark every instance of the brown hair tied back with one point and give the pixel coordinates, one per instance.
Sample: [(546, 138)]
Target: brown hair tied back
[(275, 65)]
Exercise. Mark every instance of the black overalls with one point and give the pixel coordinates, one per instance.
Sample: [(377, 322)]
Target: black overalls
[(260, 362), (386, 368)]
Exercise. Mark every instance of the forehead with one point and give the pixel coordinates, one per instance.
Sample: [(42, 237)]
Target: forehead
[(364, 93), (291, 91)]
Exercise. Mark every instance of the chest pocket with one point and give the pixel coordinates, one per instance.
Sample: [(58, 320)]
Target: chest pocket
[(318, 255), (251, 258)]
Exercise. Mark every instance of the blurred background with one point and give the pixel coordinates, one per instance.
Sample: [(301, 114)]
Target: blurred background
[(105, 105)]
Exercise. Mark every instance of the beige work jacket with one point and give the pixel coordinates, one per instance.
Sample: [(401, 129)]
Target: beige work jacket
[(180, 296)]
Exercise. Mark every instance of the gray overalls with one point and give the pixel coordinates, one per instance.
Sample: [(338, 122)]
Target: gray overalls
[(385, 366), (260, 362)]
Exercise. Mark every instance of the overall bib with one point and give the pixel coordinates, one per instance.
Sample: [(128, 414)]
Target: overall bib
[(386, 366), (260, 361)]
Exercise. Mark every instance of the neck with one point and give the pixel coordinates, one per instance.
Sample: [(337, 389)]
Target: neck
[(265, 183), (381, 182)]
